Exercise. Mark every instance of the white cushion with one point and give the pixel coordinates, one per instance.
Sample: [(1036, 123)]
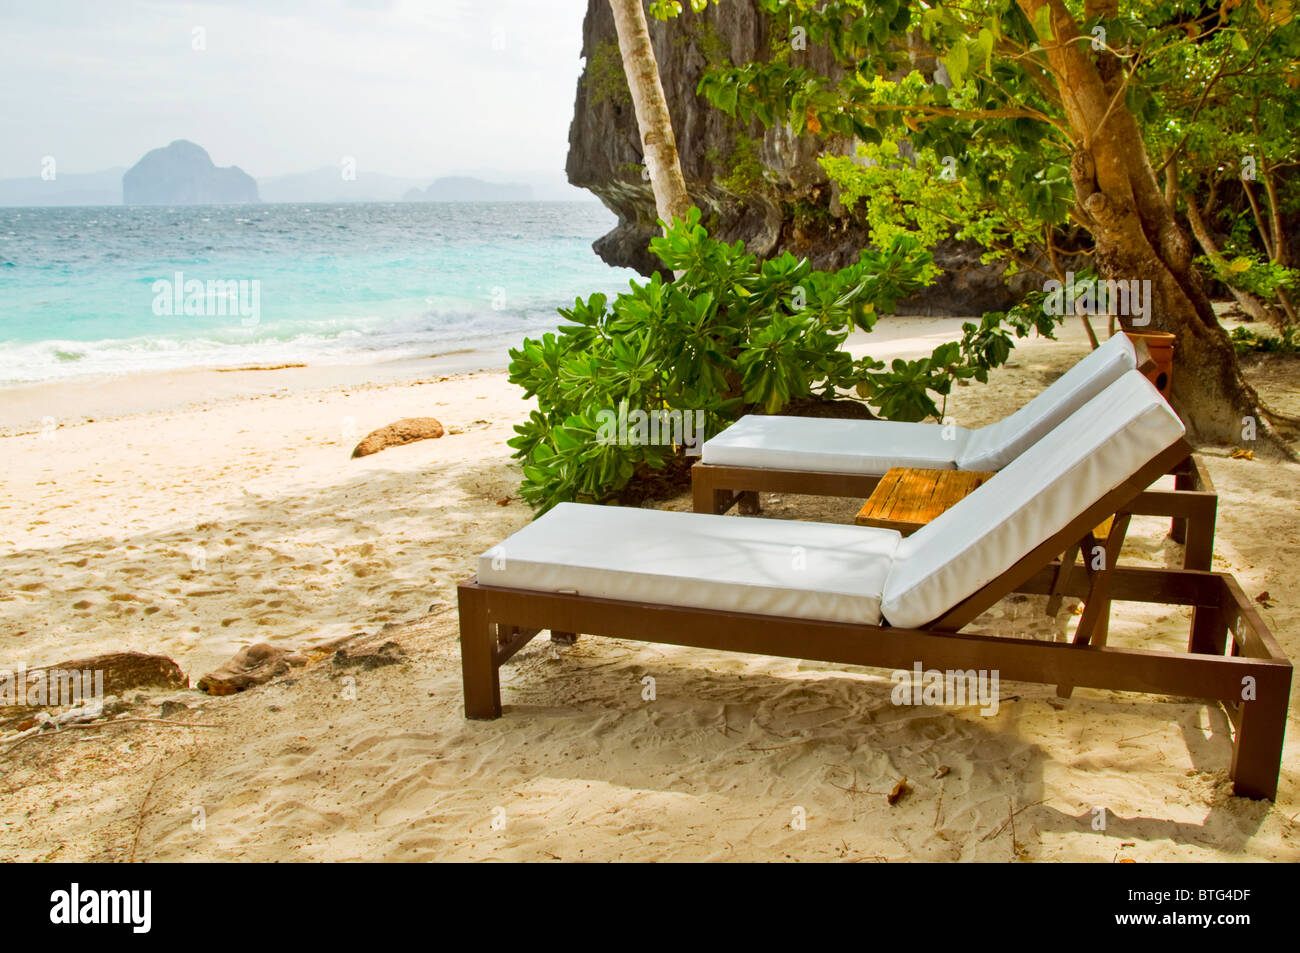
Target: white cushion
[(874, 446), (770, 567), (838, 446), (994, 446), (1034, 497)]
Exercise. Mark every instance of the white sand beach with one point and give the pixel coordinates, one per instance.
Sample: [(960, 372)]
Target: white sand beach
[(209, 512)]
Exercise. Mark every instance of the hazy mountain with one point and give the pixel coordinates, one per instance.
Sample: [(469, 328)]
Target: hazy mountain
[(86, 188), (184, 174), (461, 188), (547, 185), (328, 185), (325, 184)]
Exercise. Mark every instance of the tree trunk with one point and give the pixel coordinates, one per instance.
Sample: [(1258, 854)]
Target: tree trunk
[(1281, 246), (658, 144), (1121, 202), (1257, 309)]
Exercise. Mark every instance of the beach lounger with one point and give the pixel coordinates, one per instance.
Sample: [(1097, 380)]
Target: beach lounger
[(867, 596), (834, 457)]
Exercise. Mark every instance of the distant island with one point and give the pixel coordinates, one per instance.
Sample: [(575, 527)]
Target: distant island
[(459, 188), (84, 188), (184, 174), (328, 184)]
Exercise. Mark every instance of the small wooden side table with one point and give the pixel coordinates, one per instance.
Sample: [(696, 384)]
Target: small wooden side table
[(906, 498)]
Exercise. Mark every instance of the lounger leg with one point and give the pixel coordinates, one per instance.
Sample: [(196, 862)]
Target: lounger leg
[(1209, 631), (1196, 533), (1257, 749), (1095, 619), (1198, 551), (1178, 526), (478, 667), (1196, 530), (749, 505), (1094, 624), (564, 638), (1057, 595), (702, 494), (706, 498)]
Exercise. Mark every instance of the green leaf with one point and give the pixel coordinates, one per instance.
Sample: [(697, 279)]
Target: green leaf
[(1043, 23), (956, 62)]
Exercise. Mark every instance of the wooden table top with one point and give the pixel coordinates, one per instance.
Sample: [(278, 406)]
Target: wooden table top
[(907, 498)]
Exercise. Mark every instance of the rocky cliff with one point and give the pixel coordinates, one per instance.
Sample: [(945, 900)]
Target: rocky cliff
[(183, 174), (762, 186)]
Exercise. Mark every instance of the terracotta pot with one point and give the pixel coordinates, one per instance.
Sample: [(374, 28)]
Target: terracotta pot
[(1160, 345)]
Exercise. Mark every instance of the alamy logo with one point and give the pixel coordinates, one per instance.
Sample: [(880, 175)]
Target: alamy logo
[(948, 689), (133, 907), (654, 428), (54, 687), (194, 298), (1094, 296)]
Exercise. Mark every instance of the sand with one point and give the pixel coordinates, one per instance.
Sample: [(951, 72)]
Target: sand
[(201, 524)]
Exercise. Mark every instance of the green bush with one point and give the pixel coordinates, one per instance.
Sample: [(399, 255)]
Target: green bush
[(1264, 279), (730, 335), (1247, 341), (904, 392)]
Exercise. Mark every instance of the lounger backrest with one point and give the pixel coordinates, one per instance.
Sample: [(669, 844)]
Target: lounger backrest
[(1033, 498), (995, 446)]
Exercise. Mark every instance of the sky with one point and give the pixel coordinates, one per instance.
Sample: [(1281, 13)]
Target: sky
[(413, 88)]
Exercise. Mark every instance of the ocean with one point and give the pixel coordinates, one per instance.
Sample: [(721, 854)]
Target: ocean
[(115, 290)]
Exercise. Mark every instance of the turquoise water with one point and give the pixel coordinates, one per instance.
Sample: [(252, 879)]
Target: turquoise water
[(88, 291)]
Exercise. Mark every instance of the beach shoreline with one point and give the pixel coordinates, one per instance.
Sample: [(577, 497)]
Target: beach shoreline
[(27, 407)]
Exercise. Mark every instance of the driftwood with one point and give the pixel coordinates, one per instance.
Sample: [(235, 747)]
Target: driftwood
[(252, 666), (406, 430)]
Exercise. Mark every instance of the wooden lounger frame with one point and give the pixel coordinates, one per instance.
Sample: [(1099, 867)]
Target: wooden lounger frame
[(1193, 503), (1229, 645)]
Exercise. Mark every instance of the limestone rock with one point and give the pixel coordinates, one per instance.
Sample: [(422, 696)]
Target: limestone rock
[(183, 174), (763, 186), (124, 671), (406, 430)]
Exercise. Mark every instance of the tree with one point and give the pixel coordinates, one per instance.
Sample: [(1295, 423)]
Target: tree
[(1033, 85), (659, 145), (1232, 108)]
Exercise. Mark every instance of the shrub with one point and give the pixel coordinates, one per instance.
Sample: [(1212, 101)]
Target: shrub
[(730, 335), (1247, 341)]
